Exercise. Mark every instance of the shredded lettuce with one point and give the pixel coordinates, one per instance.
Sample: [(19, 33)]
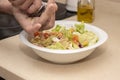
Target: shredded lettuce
[(64, 38), (57, 45), (80, 27), (57, 28)]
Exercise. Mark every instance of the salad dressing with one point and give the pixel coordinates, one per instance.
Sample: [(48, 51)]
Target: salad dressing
[(85, 11)]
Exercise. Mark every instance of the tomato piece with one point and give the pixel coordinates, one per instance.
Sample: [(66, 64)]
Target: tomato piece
[(46, 35), (75, 39), (36, 34)]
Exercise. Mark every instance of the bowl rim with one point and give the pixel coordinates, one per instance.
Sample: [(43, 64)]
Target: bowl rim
[(100, 42)]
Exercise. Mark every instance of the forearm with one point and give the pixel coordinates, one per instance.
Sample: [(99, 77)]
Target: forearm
[(5, 6)]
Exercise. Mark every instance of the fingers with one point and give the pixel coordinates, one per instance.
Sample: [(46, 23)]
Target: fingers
[(47, 13), (26, 22), (50, 24), (17, 2), (26, 4), (46, 17), (22, 4), (53, 2), (34, 7), (45, 21)]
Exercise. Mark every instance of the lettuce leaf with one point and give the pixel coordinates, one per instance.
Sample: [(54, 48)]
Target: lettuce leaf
[(80, 27)]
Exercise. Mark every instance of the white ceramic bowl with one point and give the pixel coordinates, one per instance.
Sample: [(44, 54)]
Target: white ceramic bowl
[(66, 56)]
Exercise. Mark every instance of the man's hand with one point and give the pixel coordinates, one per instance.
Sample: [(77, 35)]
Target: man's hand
[(34, 24)]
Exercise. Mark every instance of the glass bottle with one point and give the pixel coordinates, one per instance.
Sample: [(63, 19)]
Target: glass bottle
[(86, 10)]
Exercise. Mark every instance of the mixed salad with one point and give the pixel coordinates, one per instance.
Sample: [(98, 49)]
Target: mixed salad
[(64, 38)]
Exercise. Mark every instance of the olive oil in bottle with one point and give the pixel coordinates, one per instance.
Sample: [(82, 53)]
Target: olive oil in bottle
[(85, 11)]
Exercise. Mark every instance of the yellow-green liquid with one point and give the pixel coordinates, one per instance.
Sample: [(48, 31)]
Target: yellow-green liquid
[(85, 13)]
